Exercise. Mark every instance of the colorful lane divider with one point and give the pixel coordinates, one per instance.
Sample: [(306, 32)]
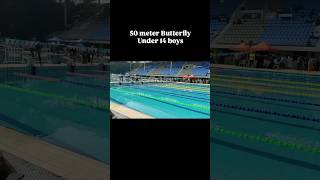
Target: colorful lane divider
[(269, 90), (178, 87), (265, 140), (296, 87), (172, 94), (266, 80), (266, 98), (50, 79), (75, 100), (267, 112)]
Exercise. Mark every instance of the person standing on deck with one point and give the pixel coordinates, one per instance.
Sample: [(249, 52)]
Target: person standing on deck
[(38, 49)]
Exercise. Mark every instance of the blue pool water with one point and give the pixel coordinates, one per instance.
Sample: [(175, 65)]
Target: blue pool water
[(248, 107), (165, 100), (71, 113)]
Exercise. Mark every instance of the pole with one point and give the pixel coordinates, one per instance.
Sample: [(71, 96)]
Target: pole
[(291, 15)]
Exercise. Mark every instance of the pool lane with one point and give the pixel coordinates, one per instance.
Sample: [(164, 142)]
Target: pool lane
[(41, 108), (164, 102), (264, 129), (83, 131), (292, 76), (68, 89)]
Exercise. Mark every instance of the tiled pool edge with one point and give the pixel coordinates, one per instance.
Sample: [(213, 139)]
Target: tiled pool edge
[(57, 160), (130, 113)]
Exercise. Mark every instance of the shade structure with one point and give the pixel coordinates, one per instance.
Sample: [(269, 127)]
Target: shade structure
[(184, 76), (187, 76), (263, 46), (191, 76), (241, 47)]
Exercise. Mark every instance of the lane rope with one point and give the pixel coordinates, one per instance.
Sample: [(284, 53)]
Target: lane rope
[(268, 112), (265, 140), (266, 80), (75, 100)]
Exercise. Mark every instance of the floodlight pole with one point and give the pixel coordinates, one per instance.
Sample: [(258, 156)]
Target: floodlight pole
[(170, 66)]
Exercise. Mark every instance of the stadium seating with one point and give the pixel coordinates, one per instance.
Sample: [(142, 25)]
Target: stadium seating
[(295, 32), (99, 29), (289, 23), (221, 12), (201, 69), (216, 26), (176, 67), (94, 29), (144, 71), (187, 69), (247, 30), (223, 8), (179, 68)]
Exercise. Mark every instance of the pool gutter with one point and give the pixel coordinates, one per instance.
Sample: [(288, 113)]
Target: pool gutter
[(57, 160)]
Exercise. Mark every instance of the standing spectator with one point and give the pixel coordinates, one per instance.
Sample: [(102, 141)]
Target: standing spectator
[(39, 49)]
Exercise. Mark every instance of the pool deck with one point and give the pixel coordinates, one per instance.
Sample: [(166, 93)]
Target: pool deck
[(62, 162), (130, 113), (293, 71)]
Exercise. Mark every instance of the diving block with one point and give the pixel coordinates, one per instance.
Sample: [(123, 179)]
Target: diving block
[(44, 78)]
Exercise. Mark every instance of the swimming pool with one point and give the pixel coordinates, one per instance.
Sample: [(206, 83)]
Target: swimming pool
[(70, 112), (265, 125), (164, 100)]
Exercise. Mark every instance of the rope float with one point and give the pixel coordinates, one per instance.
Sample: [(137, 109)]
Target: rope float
[(98, 106), (171, 86), (50, 79), (268, 112), (271, 85), (267, 98), (252, 88), (266, 140), (266, 80)]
